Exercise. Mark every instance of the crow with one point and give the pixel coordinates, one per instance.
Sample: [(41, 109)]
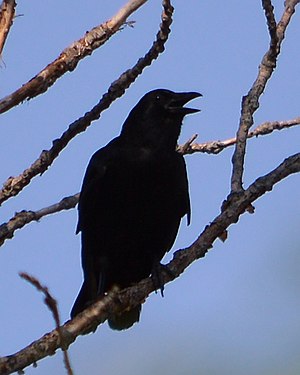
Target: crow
[(133, 197)]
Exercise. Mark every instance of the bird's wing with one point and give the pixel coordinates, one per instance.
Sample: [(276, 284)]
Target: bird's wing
[(187, 196), (182, 181), (94, 175)]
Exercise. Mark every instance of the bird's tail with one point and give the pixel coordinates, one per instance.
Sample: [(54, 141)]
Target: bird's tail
[(83, 300), (126, 319), (118, 322)]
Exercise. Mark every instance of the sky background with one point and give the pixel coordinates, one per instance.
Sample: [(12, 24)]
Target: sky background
[(237, 310)]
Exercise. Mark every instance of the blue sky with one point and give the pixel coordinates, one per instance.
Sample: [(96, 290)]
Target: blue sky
[(237, 310)]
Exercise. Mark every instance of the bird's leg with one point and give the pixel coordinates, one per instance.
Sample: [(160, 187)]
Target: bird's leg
[(157, 276)]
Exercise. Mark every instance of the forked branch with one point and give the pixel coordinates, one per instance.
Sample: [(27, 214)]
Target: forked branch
[(250, 102)]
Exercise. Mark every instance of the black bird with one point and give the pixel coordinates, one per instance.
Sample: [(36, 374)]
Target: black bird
[(134, 194)]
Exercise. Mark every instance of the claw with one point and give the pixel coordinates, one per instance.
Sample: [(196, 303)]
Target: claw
[(157, 276)]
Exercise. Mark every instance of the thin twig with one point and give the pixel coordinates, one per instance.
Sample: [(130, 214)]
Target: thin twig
[(250, 102), (20, 219), (7, 13), (130, 297), (51, 303), (15, 184), (186, 147), (70, 57)]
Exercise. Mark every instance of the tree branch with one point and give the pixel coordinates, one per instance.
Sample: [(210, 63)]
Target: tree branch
[(250, 102), (271, 21), (116, 302), (215, 147), (7, 13), (70, 57), (15, 184), (20, 219)]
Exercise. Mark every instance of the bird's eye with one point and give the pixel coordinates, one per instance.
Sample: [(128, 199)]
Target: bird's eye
[(157, 97)]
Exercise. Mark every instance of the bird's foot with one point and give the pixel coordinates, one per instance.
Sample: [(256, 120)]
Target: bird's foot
[(157, 276)]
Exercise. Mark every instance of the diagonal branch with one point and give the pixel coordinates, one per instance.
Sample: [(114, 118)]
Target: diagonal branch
[(128, 298), (15, 184), (7, 13), (70, 57), (250, 102), (20, 219)]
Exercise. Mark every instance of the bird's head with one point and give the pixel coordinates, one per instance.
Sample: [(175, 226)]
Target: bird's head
[(158, 116)]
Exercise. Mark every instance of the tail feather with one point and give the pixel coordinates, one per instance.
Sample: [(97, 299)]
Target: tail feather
[(126, 319), (118, 322), (83, 300)]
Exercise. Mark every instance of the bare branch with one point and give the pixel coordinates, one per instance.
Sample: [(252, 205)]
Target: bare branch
[(271, 21), (70, 57), (290, 6), (7, 13), (215, 147), (52, 305), (114, 302), (15, 184), (20, 219), (250, 102)]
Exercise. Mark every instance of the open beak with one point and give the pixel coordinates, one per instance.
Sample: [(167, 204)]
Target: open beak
[(180, 99)]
